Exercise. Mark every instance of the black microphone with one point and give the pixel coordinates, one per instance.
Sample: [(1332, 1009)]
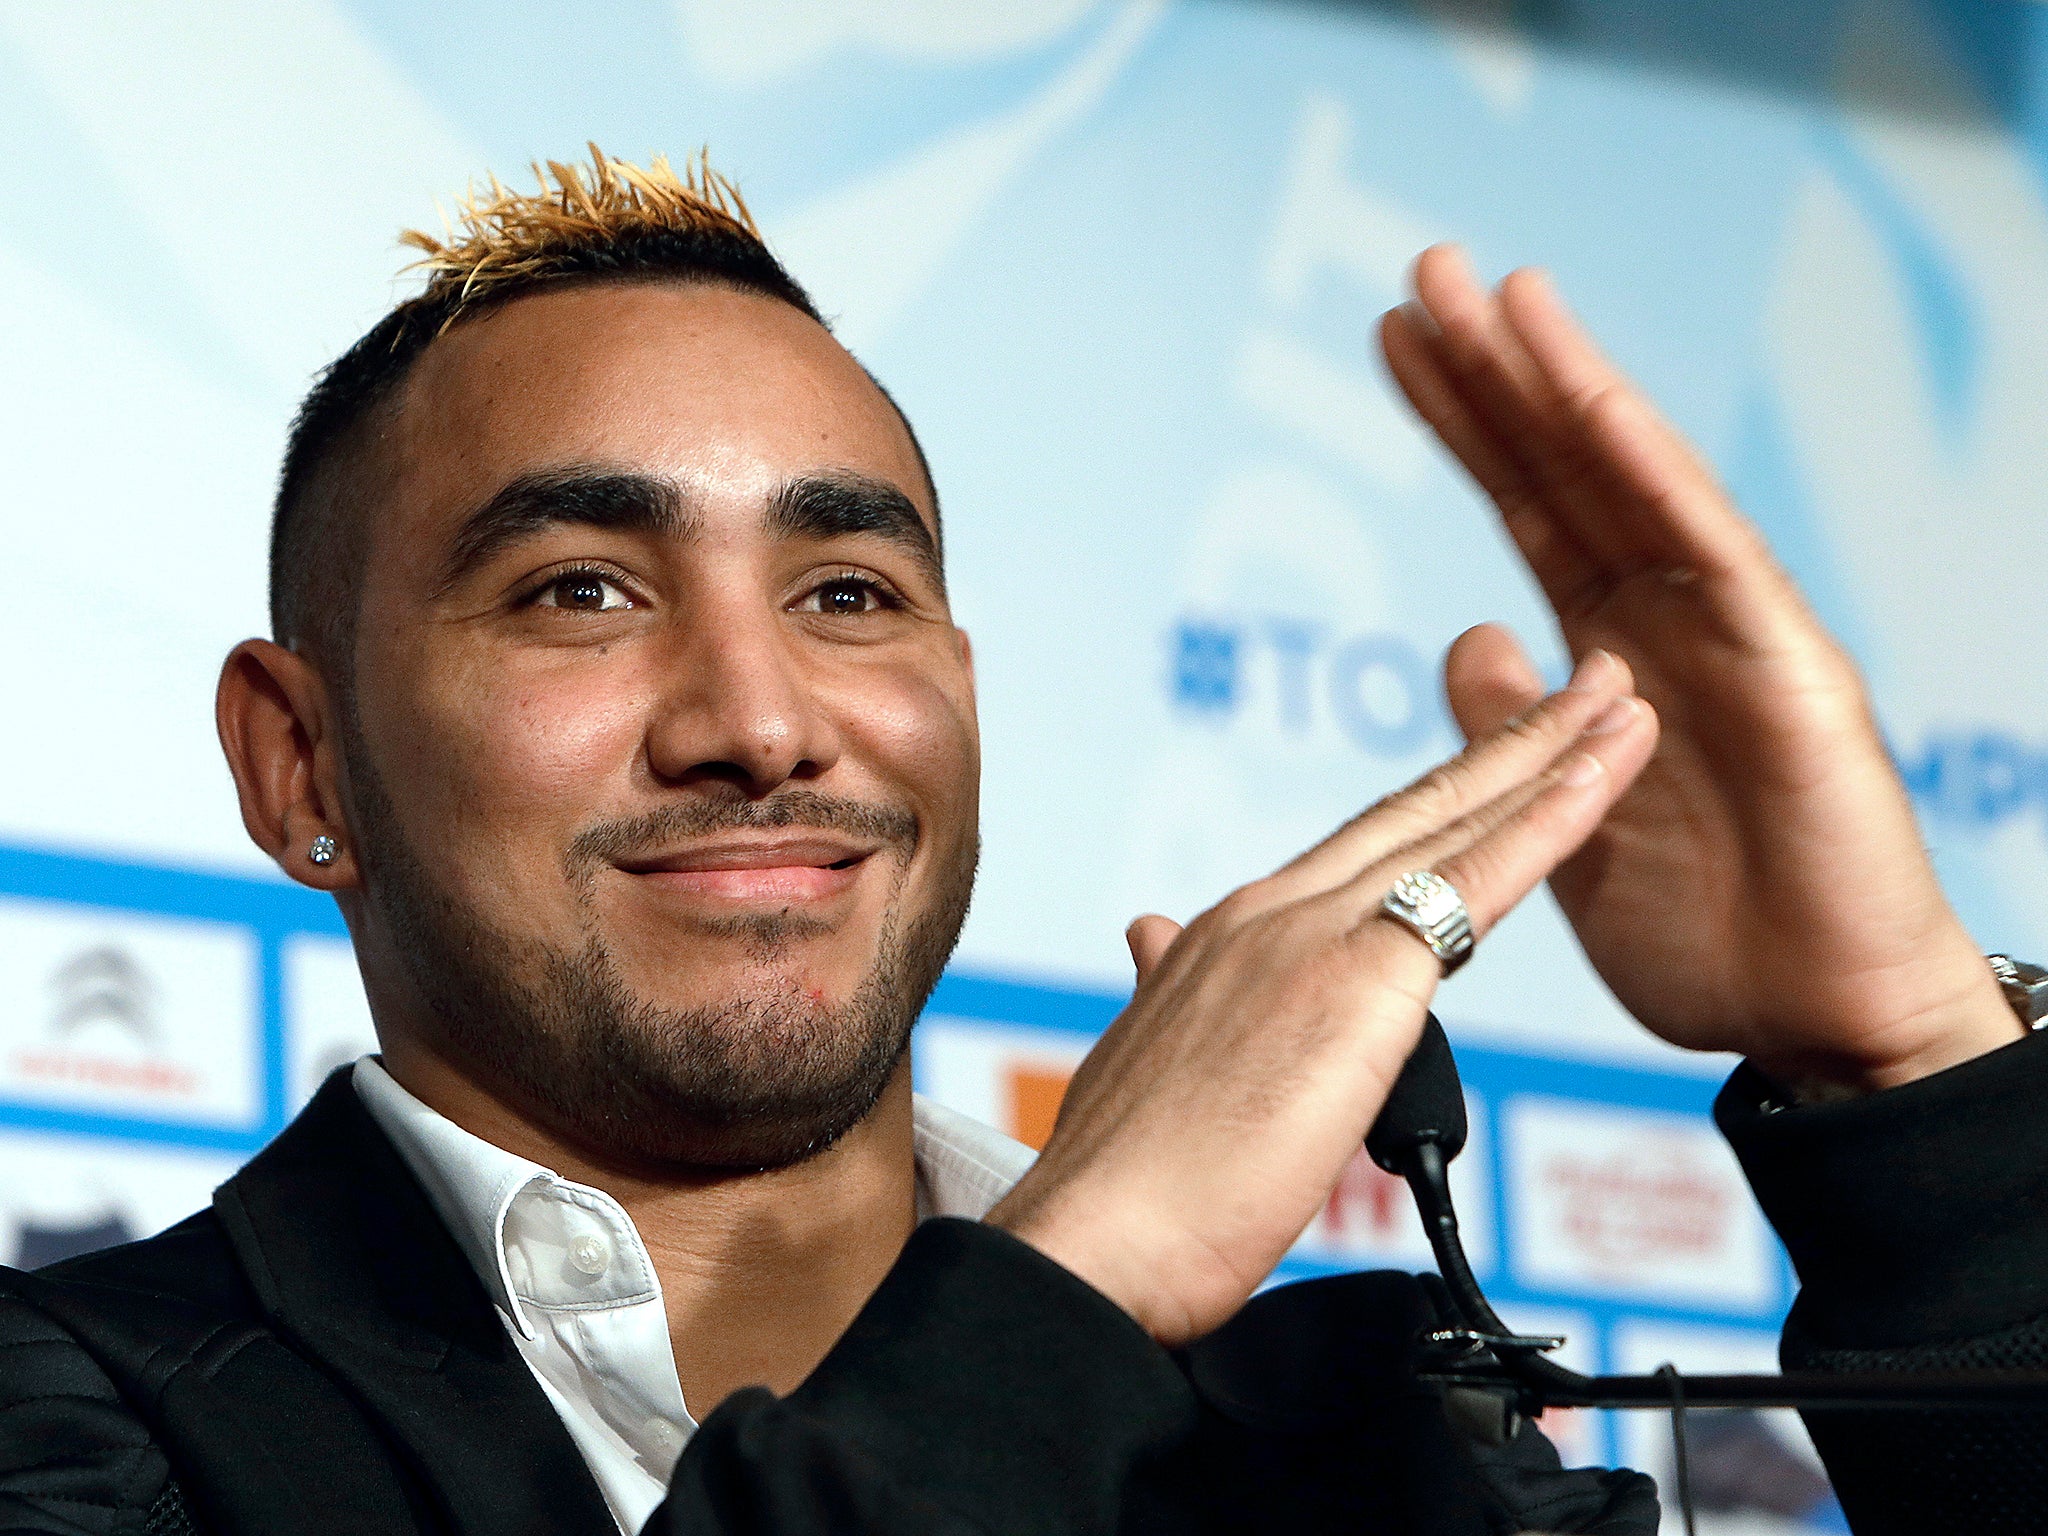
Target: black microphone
[(1422, 1127), (1426, 1106)]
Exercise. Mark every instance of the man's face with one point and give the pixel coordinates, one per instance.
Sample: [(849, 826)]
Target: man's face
[(662, 754)]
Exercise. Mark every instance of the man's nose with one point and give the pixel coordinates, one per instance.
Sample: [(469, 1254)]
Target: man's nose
[(738, 704)]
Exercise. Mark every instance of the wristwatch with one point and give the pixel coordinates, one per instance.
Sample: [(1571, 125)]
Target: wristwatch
[(2025, 987)]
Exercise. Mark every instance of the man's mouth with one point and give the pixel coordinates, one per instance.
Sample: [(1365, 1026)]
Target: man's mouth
[(779, 870)]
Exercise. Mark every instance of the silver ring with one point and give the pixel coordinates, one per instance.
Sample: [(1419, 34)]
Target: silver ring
[(1429, 906)]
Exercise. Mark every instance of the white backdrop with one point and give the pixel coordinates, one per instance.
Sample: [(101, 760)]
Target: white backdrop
[(1120, 262)]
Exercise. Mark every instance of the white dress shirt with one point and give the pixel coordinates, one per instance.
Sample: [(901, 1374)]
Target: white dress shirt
[(573, 1284)]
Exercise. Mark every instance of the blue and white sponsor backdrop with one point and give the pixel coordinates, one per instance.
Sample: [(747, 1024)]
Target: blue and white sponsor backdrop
[(1120, 261)]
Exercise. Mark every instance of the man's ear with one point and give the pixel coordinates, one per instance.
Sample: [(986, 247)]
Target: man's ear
[(278, 728)]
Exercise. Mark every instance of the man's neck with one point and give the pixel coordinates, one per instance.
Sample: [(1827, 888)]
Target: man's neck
[(760, 1271)]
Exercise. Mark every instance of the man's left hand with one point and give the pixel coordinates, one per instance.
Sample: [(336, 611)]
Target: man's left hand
[(1763, 887)]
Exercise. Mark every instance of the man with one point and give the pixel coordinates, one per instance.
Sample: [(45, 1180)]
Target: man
[(615, 697)]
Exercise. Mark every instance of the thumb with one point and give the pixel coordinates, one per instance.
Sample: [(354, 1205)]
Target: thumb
[(1150, 937), (1488, 677)]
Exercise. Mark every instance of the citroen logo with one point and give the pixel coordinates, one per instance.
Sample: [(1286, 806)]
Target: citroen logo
[(103, 985)]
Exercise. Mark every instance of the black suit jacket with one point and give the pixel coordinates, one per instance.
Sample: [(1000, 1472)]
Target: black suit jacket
[(315, 1355), (1918, 1221)]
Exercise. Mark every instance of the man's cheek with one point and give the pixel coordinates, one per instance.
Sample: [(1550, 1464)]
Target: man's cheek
[(916, 730), (525, 756)]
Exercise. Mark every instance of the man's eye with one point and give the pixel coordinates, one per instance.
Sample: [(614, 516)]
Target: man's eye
[(847, 594), (584, 591)]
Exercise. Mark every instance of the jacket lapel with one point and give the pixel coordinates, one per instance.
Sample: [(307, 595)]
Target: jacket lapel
[(350, 1260)]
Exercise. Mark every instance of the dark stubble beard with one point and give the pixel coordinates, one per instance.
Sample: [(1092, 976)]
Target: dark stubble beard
[(759, 1080)]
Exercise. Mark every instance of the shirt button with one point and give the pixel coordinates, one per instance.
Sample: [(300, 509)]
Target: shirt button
[(664, 1434), (591, 1255)]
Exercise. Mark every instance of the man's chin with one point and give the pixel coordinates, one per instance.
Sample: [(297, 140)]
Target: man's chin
[(667, 1140), (778, 981), (720, 1090), (740, 1053)]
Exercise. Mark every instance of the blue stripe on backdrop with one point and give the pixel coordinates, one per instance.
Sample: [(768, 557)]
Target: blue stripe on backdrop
[(273, 910)]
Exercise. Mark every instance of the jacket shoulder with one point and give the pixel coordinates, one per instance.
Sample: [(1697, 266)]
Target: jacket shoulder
[(188, 1402), (74, 1457), (191, 1265), (146, 1309)]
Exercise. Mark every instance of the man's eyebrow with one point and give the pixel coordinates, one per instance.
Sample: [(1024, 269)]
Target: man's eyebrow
[(592, 495), (832, 506)]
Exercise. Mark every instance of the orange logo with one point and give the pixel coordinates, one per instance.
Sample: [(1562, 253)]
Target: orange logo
[(1031, 1098)]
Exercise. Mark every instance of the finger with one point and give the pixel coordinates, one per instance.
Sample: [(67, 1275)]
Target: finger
[(1499, 855), (1569, 363), (1409, 338), (1691, 515), (1488, 679), (1492, 369), (1701, 531), (1608, 739), (1477, 341), (1561, 567), (1519, 750), (1643, 496), (1149, 937)]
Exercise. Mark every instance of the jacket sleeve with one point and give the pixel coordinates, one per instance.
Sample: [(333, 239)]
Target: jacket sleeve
[(983, 1389), (1917, 1220), (74, 1460)]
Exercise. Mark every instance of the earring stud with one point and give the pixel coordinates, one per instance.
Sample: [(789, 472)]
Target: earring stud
[(323, 850)]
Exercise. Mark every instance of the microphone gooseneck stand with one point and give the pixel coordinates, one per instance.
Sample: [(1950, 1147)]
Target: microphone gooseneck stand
[(1422, 1127)]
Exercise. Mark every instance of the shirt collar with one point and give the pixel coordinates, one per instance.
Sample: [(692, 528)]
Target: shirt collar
[(470, 1182), (963, 1168)]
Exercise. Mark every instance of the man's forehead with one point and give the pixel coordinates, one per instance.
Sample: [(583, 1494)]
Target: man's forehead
[(726, 394)]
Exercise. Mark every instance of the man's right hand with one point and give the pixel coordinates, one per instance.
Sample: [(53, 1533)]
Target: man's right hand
[(1212, 1120)]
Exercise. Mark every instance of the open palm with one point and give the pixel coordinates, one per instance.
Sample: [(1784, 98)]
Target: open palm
[(1763, 887)]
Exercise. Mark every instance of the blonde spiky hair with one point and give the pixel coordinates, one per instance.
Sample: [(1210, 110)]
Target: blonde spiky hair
[(611, 221), (499, 236)]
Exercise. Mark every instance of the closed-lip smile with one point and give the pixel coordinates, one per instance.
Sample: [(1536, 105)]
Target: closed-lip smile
[(781, 869)]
